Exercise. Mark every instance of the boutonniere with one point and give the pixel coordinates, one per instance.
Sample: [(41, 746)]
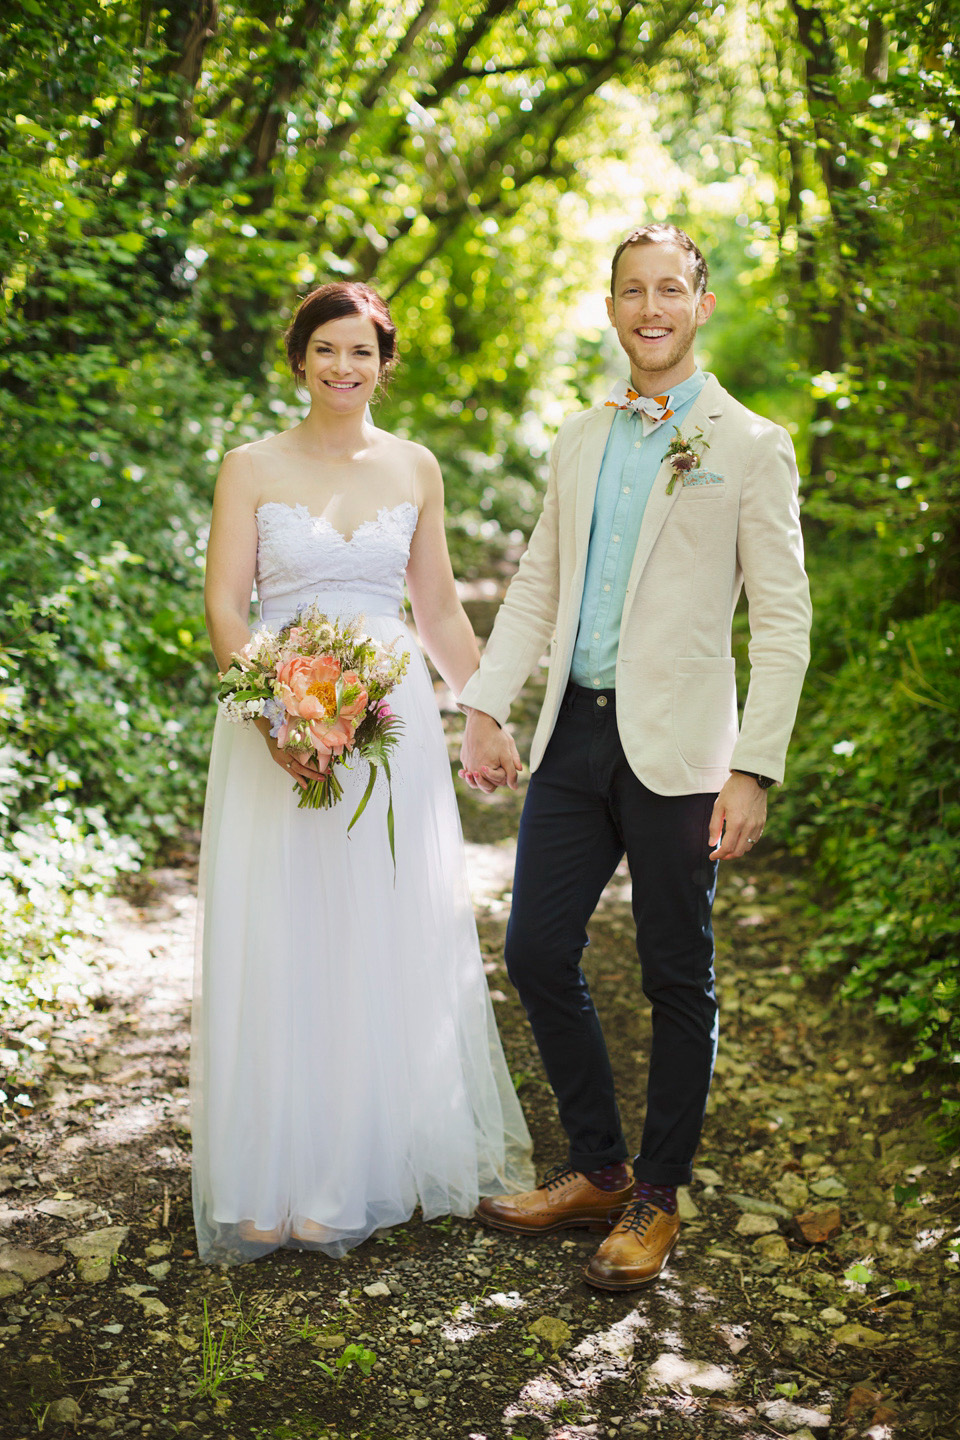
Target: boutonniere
[(684, 456)]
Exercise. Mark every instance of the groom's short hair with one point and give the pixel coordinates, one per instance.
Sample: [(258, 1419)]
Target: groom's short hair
[(660, 234)]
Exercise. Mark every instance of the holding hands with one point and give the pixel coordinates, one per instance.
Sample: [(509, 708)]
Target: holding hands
[(488, 756)]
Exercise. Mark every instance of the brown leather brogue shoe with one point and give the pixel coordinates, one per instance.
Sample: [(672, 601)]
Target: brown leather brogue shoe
[(564, 1201), (637, 1249)]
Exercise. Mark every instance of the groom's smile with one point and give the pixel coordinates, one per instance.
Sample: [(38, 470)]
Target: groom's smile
[(657, 312)]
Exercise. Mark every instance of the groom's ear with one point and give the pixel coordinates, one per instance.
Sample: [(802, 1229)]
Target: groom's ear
[(706, 307), (610, 315)]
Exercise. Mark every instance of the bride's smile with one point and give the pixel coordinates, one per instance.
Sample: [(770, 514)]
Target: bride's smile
[(342, 361)]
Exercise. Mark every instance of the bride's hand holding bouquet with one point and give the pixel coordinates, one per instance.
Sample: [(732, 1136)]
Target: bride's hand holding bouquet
[(322, 688)]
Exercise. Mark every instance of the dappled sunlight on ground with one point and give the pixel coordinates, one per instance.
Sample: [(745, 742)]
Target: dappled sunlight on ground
[(749, 1333), (490, 872)]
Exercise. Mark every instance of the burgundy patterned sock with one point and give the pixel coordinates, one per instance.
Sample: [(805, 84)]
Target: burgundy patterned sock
[(610, 1177), (663, 1196)]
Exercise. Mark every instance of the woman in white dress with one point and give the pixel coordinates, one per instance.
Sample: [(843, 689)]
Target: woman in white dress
[(346, 1066)]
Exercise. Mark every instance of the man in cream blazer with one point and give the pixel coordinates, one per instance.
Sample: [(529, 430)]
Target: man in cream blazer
[(660, 505)]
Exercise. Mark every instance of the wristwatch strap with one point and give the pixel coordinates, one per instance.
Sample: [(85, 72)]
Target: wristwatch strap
[(763, 781)]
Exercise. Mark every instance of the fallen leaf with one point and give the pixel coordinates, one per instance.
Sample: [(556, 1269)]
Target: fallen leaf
[(772, 1247), (861, 1399), (756, 1225), (752, 1206), (816, 1227), (555, 1332), (829, 1189), (860, 1336)]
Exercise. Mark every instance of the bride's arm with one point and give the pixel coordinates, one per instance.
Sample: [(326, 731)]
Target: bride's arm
[(442, 625), (444, 630), (231, 566), (231, 557)]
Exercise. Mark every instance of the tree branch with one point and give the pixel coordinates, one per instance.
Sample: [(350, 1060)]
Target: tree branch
[(456, 69)]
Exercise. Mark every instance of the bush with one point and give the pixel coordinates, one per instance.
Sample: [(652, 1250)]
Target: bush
[(873, 802), (56, 867)]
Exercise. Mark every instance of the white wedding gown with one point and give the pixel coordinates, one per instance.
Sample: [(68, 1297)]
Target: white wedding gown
[(346, 1065)]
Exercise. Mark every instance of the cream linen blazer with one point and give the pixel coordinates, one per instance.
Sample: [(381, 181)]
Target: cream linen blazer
[(735, 523)]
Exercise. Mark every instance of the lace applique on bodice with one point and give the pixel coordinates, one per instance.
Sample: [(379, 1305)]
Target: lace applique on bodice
[(300, 554)]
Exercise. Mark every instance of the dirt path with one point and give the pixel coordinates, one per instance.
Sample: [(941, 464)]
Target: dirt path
[(109, 1325)]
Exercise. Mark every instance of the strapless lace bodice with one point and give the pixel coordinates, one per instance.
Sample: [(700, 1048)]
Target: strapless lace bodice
[(301, 555)]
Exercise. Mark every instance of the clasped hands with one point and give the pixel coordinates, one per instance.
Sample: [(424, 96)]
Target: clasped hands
[(488, 756)]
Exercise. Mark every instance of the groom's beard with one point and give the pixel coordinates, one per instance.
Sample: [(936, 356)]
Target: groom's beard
[(678, 345)]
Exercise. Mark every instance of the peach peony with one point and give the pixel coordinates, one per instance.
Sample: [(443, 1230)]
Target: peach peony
[(336, 731), (307, 686)]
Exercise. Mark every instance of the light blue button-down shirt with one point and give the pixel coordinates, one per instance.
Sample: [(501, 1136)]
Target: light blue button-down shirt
[(629, 468)]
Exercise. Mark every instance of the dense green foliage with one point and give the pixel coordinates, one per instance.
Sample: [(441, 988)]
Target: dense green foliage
[(171, 177), (873, 799)]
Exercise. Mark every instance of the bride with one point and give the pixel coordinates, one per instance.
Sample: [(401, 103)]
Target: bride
[(346, 1065)]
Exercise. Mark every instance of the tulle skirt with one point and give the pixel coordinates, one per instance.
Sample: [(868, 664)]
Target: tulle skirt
[(346, 1065)]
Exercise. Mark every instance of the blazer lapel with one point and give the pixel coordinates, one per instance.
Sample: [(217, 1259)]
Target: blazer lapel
[(593, 442), (704, 411)]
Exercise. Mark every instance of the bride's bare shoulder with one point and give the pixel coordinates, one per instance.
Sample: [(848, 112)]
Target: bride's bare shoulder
[(416, 457), (267, 445)]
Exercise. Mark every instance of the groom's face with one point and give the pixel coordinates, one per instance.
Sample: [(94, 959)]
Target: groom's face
[(657, 313)]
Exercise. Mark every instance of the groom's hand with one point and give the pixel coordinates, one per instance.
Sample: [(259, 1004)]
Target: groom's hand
[(738, 818), (488, 756)]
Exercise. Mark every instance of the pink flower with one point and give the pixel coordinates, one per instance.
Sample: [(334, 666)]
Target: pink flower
[(307, 686), (359, 702), (335, 732), (323, 758)]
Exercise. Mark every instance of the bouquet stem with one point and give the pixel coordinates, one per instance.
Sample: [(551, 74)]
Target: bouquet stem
[(320, 794)]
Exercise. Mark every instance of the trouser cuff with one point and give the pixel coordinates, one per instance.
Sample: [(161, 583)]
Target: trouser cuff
[(655, 1173), (580, 1160)]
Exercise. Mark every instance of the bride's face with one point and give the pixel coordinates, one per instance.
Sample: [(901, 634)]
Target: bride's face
[(342, 363)]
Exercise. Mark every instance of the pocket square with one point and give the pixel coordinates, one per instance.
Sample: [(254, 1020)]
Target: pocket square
[(701, 477)]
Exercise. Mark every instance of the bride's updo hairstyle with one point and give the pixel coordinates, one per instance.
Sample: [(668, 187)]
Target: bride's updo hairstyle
[(333, 302)]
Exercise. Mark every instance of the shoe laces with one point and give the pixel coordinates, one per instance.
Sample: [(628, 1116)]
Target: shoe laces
[(557, 1176), (638, 1216)]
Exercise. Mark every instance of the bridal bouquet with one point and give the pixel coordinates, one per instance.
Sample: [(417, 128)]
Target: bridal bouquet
[(323, 687)]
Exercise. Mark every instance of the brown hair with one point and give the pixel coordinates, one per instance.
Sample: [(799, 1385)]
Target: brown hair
[(333, 302), (664, 235)]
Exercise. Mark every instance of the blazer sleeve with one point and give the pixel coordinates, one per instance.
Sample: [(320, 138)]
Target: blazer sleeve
[(770, 555), (527, 618)]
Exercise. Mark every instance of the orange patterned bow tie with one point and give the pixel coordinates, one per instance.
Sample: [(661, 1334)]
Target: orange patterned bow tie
[(652, 409)]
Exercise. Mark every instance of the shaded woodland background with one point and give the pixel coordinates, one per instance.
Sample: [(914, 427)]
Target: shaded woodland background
[(173, 177)]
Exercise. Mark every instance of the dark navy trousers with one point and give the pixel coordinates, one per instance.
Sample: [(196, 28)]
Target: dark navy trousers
[(585, 809)]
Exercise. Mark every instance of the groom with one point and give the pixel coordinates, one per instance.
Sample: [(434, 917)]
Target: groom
[(660, 505)]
